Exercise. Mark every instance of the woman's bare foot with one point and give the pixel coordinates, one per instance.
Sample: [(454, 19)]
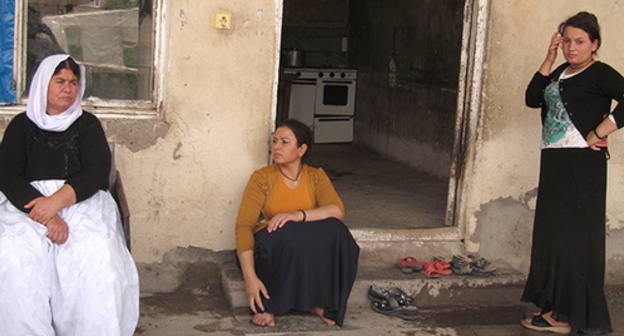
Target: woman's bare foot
[(319, 311), (264, 319)]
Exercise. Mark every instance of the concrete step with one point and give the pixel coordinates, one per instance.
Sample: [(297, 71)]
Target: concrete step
[(382, 246), (378, 250), (502, 288)]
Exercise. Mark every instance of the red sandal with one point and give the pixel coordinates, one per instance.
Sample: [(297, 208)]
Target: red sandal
[(442, 267), (409, 264), (430, 271)]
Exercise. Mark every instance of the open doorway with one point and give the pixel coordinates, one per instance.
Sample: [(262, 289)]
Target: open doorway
[(398, 170)]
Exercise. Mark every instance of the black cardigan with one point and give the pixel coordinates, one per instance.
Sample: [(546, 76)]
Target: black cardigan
[(587, 96), (80, 156)]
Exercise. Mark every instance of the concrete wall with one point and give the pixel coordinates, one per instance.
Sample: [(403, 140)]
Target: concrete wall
[(407, 54), (184, 176), (501, 176)]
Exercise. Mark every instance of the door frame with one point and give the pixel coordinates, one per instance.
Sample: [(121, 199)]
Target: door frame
[(474, 38)]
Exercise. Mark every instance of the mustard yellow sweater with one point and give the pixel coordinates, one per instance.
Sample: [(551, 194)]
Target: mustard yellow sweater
[(254, 213)]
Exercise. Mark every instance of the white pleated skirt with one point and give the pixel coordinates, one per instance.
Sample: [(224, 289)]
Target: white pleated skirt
[(87, 286)]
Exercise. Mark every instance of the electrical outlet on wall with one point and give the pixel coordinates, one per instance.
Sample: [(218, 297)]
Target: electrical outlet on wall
[(223, 20)]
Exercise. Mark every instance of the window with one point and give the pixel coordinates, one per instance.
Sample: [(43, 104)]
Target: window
[(115, 39)]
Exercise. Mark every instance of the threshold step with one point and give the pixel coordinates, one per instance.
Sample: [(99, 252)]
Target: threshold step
[(502, 288)]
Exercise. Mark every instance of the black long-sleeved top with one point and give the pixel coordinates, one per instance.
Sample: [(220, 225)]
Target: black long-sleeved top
[(587, 96), (80, 156)]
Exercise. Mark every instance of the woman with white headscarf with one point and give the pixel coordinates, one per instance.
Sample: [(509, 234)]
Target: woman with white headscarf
[(64, 268)]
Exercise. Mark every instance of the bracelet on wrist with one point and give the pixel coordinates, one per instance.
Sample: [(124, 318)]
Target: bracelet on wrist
[(598, 136), (304, 215)]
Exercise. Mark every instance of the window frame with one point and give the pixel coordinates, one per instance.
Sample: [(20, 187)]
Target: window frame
[(104, 107)]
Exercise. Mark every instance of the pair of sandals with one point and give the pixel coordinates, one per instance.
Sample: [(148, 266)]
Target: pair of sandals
[(430, 270), (541, 323), (392, 302), (465, 265), (458, 265), (480, 265)]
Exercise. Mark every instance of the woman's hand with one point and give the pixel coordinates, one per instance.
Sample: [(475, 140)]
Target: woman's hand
[(595, 143), (57, 230), (42, 209), (253, 285), (282, 218), (254, 288), (322, 212), (605, 128), (551, 55), (555, 41)]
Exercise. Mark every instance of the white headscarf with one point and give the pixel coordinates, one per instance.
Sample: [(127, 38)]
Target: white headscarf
[(38, 97)]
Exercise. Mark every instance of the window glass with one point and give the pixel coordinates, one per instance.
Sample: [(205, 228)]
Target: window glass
[(113, 38)]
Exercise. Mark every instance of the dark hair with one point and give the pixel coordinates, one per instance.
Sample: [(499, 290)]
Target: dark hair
[(585, 21), (69, 64), (302, 133)]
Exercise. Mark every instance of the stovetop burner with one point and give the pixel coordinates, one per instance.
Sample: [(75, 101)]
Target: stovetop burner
[(324, 73)]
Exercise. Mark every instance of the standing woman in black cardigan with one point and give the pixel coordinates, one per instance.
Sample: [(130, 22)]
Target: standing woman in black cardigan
[(566, 277)]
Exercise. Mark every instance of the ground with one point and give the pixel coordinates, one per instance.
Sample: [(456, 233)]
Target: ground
[(199, 307)]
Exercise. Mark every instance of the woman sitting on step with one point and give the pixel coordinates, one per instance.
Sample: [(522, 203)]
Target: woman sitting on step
[(294, 250)]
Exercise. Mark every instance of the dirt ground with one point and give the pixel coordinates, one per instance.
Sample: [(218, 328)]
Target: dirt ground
[(199, 307)]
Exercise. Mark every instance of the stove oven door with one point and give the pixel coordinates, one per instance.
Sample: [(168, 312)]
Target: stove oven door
[(335, 97)]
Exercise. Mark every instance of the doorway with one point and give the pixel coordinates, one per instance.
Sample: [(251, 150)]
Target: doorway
[(403, 160)]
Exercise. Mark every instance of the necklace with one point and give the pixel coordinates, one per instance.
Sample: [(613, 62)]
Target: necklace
[(295, 180)]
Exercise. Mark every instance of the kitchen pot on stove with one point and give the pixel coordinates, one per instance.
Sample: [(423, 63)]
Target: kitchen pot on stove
[(294, 58)]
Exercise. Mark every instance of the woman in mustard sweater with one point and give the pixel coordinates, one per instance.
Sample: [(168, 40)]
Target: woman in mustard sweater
[(294, 250)]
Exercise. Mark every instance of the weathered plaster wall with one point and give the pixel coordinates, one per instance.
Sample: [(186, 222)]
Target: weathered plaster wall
[(501, 188), (184, 175), (407, 54)]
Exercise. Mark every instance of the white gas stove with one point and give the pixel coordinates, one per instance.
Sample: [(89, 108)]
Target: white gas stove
[(325, 100)]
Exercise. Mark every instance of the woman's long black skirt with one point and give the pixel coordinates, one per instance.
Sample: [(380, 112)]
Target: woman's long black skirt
[(305, 265), (568, 251)]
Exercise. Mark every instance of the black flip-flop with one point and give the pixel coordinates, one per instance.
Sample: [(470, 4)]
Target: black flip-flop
[(539, 323)]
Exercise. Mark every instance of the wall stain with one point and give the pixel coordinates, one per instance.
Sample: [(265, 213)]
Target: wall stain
[(136, 135), (177, 156), (529, 195), (504, 230)]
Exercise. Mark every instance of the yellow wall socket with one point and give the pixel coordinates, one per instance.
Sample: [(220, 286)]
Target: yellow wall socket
[(223, 20)]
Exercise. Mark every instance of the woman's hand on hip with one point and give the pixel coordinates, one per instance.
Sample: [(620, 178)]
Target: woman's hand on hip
[(597, 138), (57, 230), (254, 288), (595, 143), (282, 218)]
